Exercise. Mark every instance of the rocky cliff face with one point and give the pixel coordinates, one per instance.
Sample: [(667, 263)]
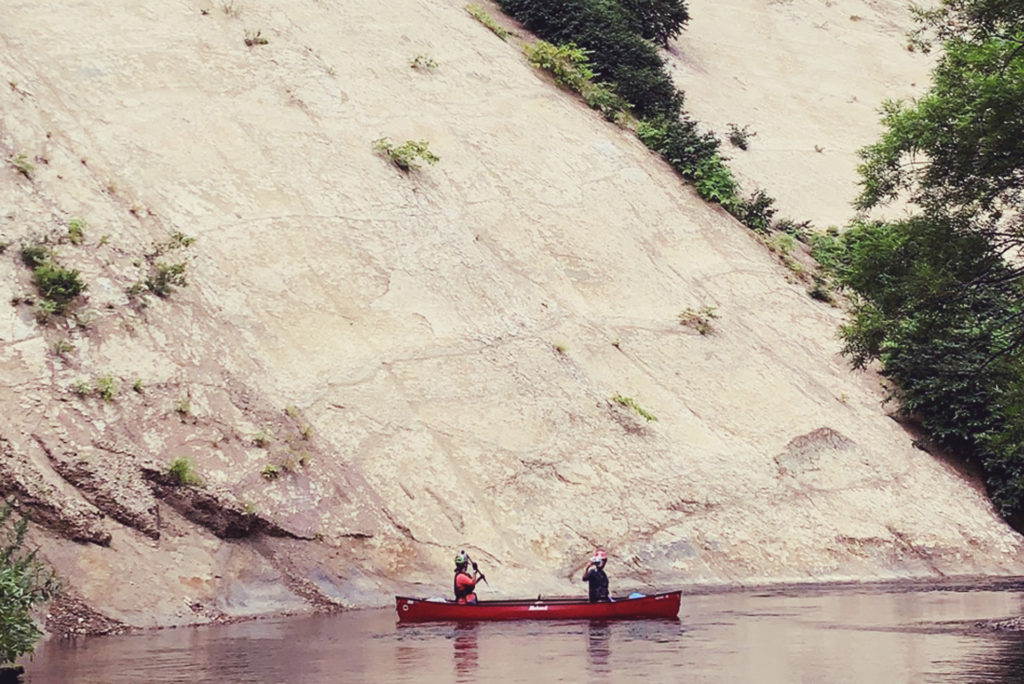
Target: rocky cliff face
[(371, 369)]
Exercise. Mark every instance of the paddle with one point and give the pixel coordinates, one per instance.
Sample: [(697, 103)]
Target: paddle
[(476, 569)]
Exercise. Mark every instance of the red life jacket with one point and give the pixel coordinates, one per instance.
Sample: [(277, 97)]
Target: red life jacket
[(464, 591)]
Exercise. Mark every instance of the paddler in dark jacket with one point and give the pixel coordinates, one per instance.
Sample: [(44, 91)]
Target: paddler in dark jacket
[(594, 575), (465, 583)]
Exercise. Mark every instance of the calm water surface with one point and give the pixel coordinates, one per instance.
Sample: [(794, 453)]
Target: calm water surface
[(865, 635)]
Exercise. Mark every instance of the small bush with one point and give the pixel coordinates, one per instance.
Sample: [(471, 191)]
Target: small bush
[(570, 67), (24, 583), (481, 15), (679, 142), (740, 137), (183, 473), (715, 182), (629, 403), (699, 319), (271, 472), (164, 277), (22, 165), (57, 285), (567, 63), (34, 255), (408, 155), (756, 212)]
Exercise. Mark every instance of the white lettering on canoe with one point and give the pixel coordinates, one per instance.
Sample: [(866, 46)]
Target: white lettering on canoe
[(538, 607)]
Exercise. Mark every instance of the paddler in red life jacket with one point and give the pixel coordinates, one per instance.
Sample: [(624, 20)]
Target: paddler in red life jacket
[(594, 575), (465, 583)]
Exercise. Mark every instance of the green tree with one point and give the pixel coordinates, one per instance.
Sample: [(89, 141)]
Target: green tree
[(657, 20), (24, 582), (938, 297)]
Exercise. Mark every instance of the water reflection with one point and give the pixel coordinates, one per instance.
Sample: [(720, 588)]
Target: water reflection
[(464, 651), (999, 658), (598, 648), (844, 636)]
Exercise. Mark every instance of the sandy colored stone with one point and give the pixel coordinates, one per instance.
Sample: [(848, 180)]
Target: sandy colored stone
[(430, 358)]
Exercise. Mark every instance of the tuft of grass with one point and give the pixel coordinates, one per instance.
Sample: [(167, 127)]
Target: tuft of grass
[(782, 243), (22, 165), (137, 387), (406, 156), (81, 389), (76, 231), (105, 387), (183, 407), (698, 319), (423, 63), (560, 348), (183, 473), (481, 15), (62, 347), (261, 438), (629, 403), (252, 39), (271, 472), (164, 277)]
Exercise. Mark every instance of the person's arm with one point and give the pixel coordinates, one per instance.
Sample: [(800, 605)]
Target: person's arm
[(586, 571)]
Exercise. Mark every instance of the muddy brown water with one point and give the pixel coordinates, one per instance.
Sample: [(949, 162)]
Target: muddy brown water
[(865, 634)]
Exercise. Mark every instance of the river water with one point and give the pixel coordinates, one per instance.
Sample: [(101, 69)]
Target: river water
[(865, 634)]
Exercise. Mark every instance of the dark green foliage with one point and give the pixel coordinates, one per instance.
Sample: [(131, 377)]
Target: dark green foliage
[(679, 142), (618, 53), (24, 582), (714, 181), (930, 305), (570, 66), (35, 255), (939, 296), (616, 37), (657, 20), (57, 285), (756, 212)]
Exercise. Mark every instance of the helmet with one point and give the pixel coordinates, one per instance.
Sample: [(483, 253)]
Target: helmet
[(461, 558), (599, 556)]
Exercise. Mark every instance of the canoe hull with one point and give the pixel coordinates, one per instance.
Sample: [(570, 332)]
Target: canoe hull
[(665, 605)]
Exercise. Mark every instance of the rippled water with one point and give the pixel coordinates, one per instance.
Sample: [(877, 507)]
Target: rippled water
[(813, 635)]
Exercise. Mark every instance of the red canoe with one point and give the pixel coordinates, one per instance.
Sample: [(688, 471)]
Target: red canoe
[(664, 605)]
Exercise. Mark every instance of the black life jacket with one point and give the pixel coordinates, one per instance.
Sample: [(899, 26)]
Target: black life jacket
[(463, 592)]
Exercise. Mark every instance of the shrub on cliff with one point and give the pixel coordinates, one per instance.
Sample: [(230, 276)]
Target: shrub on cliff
[(24, 582), (618, 53), (657, 20)]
